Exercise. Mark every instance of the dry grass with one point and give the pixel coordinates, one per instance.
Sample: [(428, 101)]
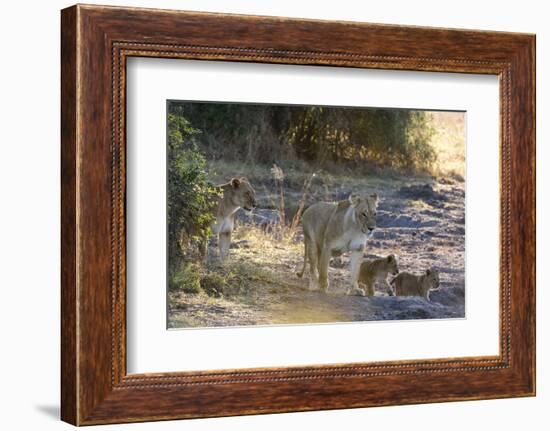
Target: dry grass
[(275, 255), (258, 258), (449, 143)]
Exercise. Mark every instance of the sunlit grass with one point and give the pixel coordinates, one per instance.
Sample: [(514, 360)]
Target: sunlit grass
[(419, 204), (449, 143)]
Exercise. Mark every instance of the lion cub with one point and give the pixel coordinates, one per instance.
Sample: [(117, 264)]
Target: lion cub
[(407, 284), (377, 270)]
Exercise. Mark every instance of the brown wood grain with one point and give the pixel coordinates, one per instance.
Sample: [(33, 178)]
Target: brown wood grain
[(69, 367), (96, 41)]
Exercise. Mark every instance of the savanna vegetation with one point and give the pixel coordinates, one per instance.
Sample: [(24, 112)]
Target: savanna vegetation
[(293, 156), (319, 136)]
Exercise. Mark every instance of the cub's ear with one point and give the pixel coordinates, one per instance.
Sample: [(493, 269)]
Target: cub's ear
[(428, 271), (375, 197), (235, 182), (391, 257)]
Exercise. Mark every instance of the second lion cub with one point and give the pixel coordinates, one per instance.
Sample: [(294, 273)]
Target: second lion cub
[(377, 270), (407, 284)]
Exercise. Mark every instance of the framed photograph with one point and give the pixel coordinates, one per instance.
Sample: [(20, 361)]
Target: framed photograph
[(264, 215)]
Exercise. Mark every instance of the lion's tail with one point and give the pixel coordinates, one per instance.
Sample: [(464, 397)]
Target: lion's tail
[(301, 273)]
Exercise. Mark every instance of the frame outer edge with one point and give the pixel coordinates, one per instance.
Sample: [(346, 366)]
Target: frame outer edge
[(87, 397), (532, 83), (533, 54), (529, 61), (69, 196), (523, 217)]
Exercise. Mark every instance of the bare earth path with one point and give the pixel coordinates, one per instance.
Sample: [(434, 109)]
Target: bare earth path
[(421, 222)]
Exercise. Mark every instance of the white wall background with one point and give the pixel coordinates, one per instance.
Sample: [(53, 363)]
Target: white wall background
[(29, 214)]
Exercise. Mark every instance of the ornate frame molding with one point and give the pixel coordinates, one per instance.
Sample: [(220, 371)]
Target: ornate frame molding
[(96, 41)]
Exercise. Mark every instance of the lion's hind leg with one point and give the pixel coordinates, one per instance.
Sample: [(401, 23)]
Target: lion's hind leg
[(301, 273), (323, 260), (312, 255)]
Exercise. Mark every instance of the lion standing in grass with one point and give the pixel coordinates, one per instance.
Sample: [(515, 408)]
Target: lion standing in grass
[(236, 194), (334, 228)]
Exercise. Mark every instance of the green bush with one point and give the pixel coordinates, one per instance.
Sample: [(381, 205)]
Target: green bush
[(190, 197), (213, 284), (186, 278), (395, 138)]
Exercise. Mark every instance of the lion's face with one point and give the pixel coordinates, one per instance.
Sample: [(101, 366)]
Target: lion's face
[(391, 262), (365, 211), (243, 194), (433, 278)]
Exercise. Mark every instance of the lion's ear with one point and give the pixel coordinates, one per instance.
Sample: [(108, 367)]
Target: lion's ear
[(390, 257), (235, 182), (428, 271), (375, 197)]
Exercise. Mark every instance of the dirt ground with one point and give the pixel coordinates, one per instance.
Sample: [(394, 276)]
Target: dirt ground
[(420, 220)]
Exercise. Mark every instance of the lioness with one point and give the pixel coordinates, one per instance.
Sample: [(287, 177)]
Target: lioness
[(376, 271), (333, 228), (237, 193), (407, 284)]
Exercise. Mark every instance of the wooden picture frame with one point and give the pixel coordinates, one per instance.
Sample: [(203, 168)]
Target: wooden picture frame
[(95, 43)]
